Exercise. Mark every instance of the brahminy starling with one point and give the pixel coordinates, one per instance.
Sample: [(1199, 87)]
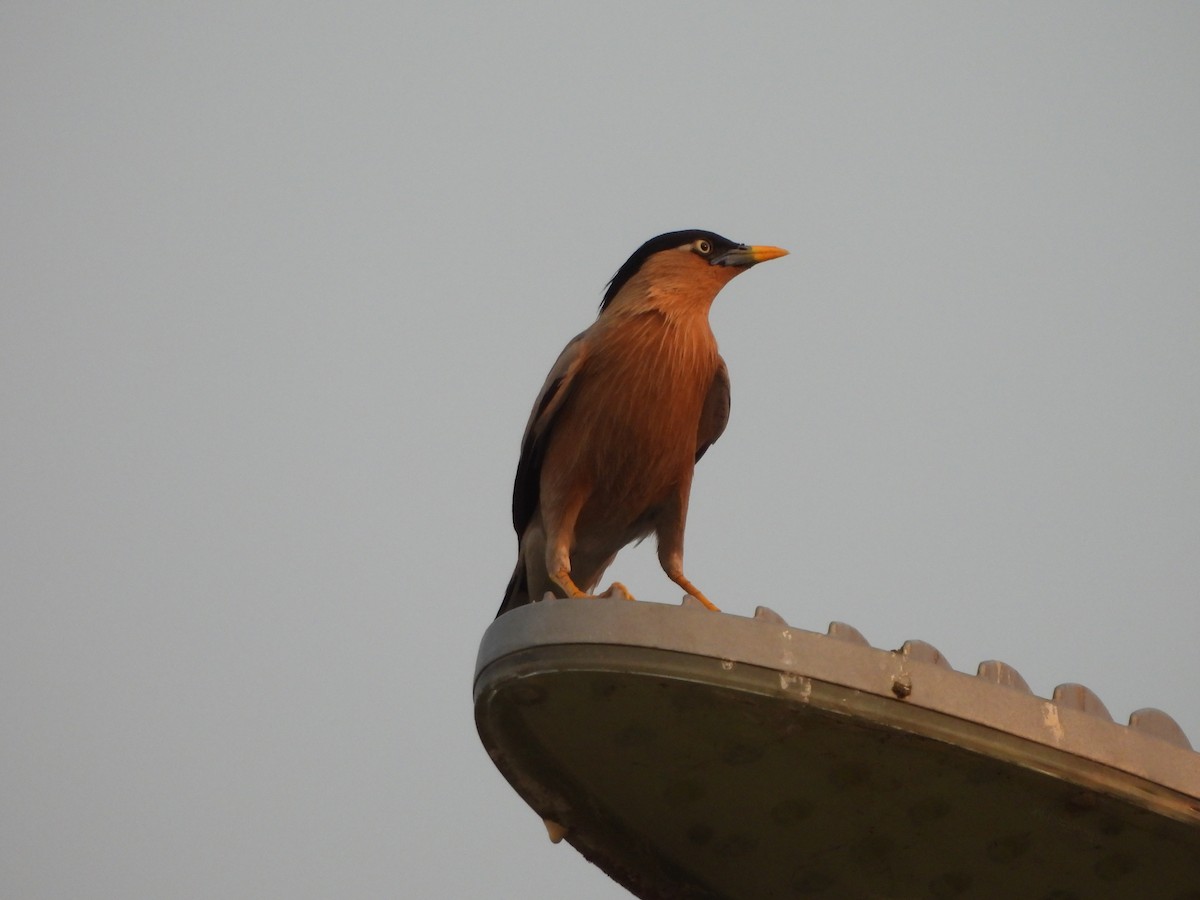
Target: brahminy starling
[(624, 416)]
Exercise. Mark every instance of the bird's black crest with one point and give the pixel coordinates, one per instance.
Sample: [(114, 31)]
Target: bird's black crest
[(668, 241)]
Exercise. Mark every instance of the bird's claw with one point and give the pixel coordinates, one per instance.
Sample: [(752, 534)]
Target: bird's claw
[(554, 830)]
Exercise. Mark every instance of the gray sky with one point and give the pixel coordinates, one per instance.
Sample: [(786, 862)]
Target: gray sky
[(280, 284)]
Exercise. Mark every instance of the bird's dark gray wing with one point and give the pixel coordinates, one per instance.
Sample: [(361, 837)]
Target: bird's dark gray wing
[(527, 486), (715, 414)]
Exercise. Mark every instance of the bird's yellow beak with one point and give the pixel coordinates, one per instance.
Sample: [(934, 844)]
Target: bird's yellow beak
[(748, 255), (762, 254)]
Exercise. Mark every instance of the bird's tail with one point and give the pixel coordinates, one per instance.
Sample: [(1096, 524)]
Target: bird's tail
[(517, 593)]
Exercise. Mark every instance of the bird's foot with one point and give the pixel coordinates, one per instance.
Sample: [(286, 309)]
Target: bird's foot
[(694, 591), (618, 590), (691, 601)]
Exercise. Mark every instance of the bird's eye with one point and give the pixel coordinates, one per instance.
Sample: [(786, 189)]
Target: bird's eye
[(703, 247)]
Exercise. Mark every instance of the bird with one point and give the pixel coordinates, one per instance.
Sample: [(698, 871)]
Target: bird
[(627, 410)]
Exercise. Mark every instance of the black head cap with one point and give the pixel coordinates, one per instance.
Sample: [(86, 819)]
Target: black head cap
[(669, 241)]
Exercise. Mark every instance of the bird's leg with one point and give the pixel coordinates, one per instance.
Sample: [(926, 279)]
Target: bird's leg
[(669, 531), (559, 530), (558, 554)]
